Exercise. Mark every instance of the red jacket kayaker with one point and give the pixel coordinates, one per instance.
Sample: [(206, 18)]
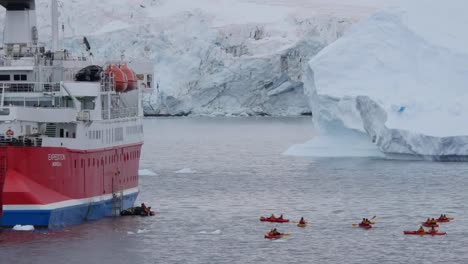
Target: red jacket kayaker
[(432, 231), (272, 217), (302, 221), (281, 217)]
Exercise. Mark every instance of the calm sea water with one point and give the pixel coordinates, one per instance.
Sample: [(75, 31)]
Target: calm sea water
[(238, 174)]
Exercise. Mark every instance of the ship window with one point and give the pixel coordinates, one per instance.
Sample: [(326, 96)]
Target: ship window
[(20, 77), (61, 132), (4, 77)]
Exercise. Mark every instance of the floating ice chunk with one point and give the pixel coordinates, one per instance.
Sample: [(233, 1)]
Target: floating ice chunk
[(185, 171), (142, 231), (130, 233), (216, 232), (23, 228), (147, 172)]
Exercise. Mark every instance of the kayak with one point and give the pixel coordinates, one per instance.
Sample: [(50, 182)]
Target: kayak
[(443, 220), (365, 226), (430, 225), (302, 225), (273, 237), (422, 234), (276, 220)]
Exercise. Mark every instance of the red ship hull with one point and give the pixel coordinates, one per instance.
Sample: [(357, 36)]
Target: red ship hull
[(48, 186)]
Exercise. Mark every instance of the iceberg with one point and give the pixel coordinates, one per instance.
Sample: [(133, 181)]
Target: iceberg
[(398, 79)]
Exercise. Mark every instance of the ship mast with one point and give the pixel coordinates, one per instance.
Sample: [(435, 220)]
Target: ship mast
[(55, 30)]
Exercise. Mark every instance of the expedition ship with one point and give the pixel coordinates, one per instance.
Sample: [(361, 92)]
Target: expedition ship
[(70, 132)]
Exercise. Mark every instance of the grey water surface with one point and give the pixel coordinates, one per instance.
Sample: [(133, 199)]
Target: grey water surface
[(238, 174)]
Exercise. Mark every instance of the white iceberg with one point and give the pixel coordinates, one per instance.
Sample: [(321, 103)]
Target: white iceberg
[(399, 80)]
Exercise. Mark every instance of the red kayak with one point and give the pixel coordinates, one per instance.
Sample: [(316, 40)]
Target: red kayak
[(422, 234), (365, 226), (276, 220), (443, 220), (273, 237), (430, 225)]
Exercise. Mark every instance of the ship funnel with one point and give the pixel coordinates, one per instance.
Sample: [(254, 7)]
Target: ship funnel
[(20, 30)]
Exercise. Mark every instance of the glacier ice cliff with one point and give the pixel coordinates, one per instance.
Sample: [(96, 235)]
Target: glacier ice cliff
[(226, 57), (398, 82)]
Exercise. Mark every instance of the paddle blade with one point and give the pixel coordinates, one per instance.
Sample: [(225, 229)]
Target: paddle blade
[(286, 234), (355, 224), (373, 217)]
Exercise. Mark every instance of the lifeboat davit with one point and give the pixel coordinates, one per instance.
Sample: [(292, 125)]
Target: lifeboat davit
[(131, 77), (120, 78)]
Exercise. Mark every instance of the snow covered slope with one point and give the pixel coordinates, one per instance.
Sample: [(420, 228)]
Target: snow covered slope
[(214, 56), (400, 79)]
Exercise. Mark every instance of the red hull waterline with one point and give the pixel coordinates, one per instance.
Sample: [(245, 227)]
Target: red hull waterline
[(54, 186)]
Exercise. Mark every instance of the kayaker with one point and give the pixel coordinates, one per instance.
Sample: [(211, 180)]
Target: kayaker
[(432, 231), (272, 217), (428, 221), (281, 217), (274, 232), (421, 230), (433, 221), (302, 221)]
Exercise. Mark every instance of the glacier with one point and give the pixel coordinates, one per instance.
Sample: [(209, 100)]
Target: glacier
[(225, 57), (394, 85)]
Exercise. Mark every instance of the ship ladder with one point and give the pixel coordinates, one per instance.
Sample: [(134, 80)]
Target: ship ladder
[(117, 202)]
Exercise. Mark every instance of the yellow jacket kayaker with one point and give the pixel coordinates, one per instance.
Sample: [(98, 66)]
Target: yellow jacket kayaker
[(433, 230), (421, 230), (433, 221), (272, 217)]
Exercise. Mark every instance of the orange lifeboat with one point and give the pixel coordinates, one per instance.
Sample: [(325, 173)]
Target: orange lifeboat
[(131, 77), (120, 79)]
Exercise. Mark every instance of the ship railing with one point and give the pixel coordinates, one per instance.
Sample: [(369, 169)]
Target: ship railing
[(28, 87), (107, 82), (31, 141), (123, 112)]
